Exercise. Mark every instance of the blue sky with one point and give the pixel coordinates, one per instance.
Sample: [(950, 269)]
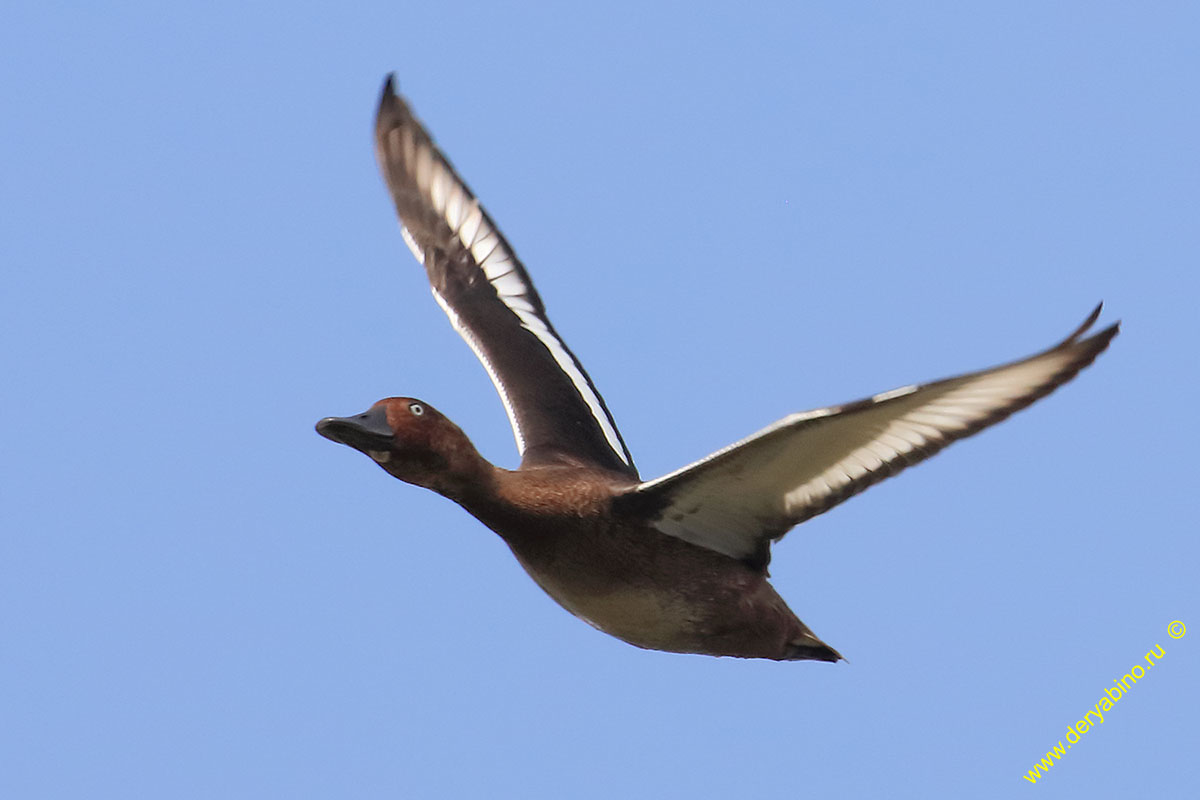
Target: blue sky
[(732, 213)]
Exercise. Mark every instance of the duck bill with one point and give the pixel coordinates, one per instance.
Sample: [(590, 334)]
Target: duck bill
[(366, 432)]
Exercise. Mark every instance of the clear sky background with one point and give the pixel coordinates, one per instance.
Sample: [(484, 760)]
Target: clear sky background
[(732, 212)]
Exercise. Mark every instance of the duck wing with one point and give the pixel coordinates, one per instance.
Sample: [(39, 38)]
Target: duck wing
[(741, 498), (557, 415)]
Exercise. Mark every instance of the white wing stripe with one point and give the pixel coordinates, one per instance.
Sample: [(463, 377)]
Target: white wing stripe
[(471, 224), (412, 244), (534, 325), (932, 422), (487, 365), (465, 218)]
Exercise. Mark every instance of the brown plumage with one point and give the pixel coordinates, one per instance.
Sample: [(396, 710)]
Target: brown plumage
[(677, 563)]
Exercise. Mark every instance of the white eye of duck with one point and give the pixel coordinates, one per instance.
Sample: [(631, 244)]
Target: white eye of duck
[(416, 408)]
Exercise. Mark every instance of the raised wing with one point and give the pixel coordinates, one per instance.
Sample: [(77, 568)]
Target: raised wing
[(557, 415), (739, 499)]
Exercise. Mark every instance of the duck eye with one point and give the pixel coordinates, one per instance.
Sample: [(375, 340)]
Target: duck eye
[(416, 408)]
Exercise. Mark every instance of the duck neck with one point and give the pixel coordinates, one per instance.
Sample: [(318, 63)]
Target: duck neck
[(466, 477)]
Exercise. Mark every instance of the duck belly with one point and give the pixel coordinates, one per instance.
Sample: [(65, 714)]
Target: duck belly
[(738, 615), (641, 616)]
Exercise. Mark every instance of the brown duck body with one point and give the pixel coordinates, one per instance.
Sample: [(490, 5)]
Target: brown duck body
[(616, 572), (599, 558)]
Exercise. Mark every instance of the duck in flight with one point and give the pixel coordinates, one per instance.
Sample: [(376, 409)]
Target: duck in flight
[(677, 563)]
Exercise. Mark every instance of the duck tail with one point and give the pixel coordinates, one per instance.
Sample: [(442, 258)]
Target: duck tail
[(807, 647)]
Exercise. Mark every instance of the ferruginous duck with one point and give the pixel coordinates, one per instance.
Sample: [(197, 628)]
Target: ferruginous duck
[(677, 563)]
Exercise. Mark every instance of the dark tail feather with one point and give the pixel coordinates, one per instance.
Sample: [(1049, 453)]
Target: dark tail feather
[(809, 648)]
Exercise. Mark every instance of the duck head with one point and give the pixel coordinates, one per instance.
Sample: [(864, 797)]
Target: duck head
[(412, 441)]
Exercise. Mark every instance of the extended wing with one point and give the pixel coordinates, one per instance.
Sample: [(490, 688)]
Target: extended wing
[(557, 415), (739, 499)]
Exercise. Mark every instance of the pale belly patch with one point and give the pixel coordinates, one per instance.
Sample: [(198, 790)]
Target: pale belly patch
[(640, 616)]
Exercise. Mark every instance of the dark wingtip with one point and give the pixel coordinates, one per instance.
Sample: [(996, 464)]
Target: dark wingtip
[(1089, 349), (1087, 324), (1105, 336), (388, 102)]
